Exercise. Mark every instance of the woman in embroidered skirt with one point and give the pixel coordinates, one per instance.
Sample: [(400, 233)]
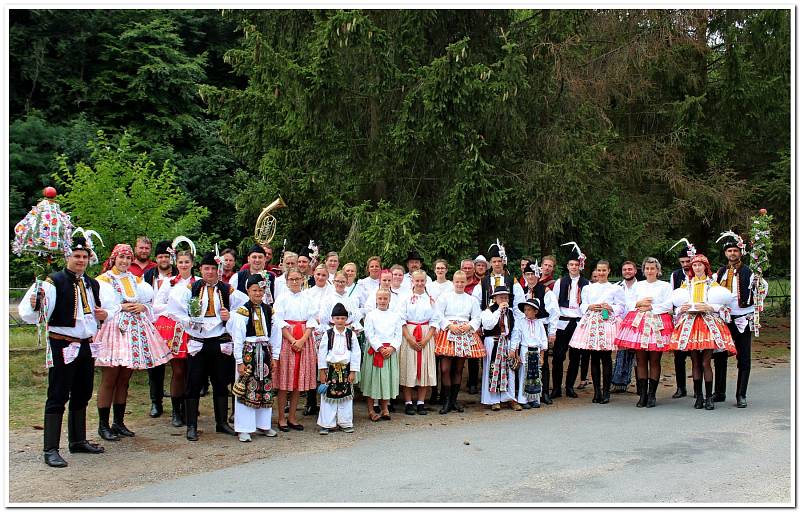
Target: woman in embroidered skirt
[(380, 371), (602, 304), (420, 315), (128, 340), (297, 361), (457, 340), (647, 329), (699, 328), (174, 334)]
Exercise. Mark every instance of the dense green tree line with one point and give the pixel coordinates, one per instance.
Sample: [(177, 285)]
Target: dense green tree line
[(442, 130)]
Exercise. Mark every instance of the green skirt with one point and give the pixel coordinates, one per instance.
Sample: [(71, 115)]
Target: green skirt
[(380, 383)]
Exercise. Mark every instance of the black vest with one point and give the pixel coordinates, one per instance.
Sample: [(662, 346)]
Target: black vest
[(65, 311), (495, 331), (744, 276), (538, 292), (348, 334), (678, 277), (486, 289), (151, 276), (224, 291), (563, 291), (266, 310)]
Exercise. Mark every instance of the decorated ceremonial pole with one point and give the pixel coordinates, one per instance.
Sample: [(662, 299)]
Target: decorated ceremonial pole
[(761, 245), (44, 233)]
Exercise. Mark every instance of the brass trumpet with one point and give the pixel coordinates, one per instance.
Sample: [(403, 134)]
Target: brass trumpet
[(266, 223)]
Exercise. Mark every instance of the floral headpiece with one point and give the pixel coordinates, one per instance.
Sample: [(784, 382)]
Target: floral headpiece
[(739, 242), (690, 250), (581, 257)]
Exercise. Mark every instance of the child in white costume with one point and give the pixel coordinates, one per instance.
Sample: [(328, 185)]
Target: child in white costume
[(338, 361)]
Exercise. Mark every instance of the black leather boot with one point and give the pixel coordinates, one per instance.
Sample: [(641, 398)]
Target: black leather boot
[(652, 386), (698, 393), (76, 430), (155, 378), (641, 388), (118, 426), (454, 389), (742, 379), (221, 415), (709, 405), (52, 439), (104, 430), (190, 411), (447, 405), (679, 393), (720, 376), (177, 412), (434, 399), (606, 396), (598, 394)]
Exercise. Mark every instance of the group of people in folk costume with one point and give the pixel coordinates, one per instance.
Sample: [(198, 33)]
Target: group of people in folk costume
[(265, 332)]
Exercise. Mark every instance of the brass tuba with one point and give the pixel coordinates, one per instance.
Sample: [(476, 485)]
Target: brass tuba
[(266, 223)]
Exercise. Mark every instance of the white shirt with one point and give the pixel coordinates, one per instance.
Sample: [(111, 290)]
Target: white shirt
[(628, 291), (659, 291), (573, 311), (672, 278), (339, 352), (459, 307), (383, 327), (161, 298), (237, 328), (294, 306), (407, 285), (280, 286), (85, 325), (178, 308), (420, 308), (598, 293), (133, 289), (435, 288), (326, 305), (371, 304), (369, 285), (528, 333), (314, 296)]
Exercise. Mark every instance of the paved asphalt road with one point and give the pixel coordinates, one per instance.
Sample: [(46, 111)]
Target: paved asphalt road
[(586, 454)]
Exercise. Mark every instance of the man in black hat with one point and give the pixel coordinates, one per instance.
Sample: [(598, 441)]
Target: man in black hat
[(677, 278), (256, 264), (72, 303), (210, 346), (304, 262), (413, 263), (738, 279), (155, 277), (568, 290)]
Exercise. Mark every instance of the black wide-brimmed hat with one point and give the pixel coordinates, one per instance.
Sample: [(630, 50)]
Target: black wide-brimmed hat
[(500, 289), (414, 255), (534, 303)]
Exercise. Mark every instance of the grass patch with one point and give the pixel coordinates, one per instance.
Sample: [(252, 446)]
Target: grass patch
[(27, 382)]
